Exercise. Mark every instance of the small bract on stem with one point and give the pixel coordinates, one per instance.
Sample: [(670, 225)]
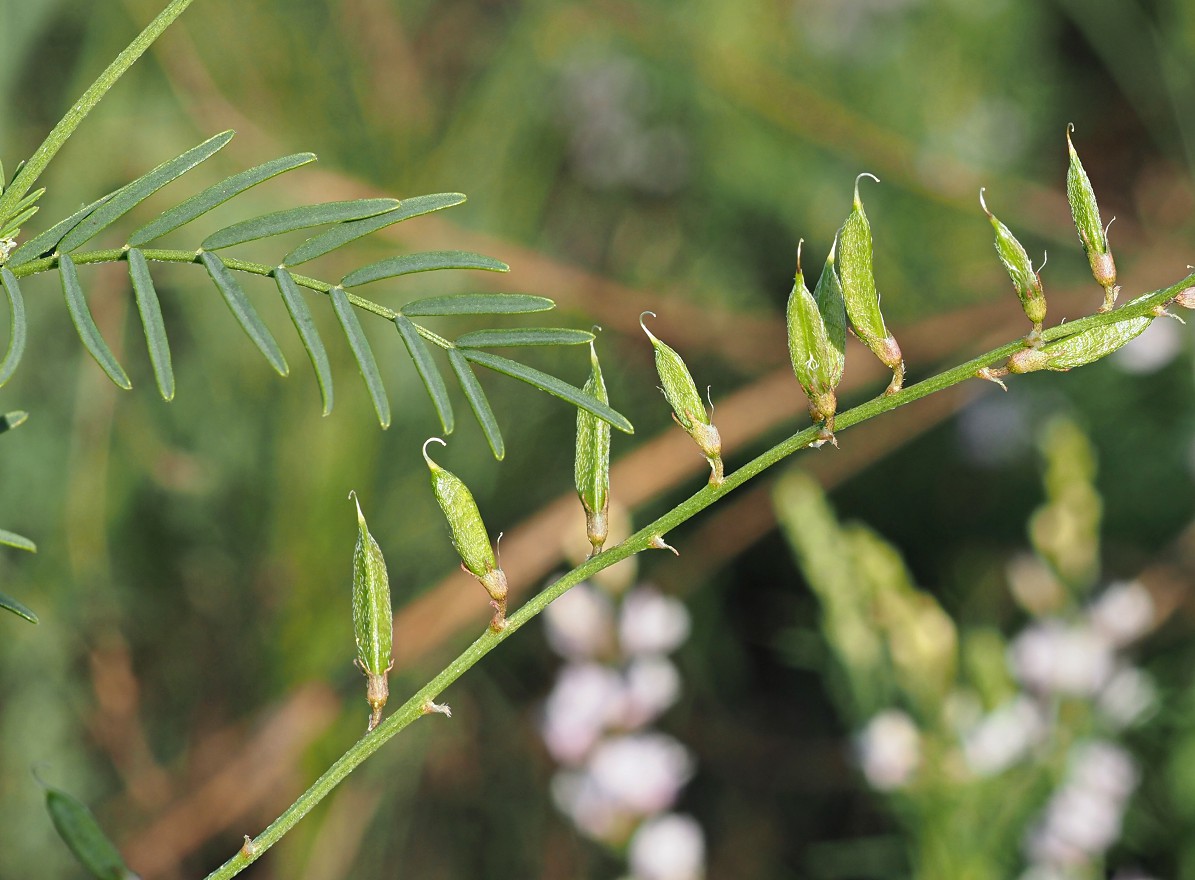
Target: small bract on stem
[(372, 619)]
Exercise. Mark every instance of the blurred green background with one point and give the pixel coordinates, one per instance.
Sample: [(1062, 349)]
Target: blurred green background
[(192, 670)]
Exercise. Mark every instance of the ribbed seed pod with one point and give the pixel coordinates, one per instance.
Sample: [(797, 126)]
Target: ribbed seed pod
[(687, 407), (372, 620), (1086, 212), (1082, 348), (1026, 282), (817, 341), (859, 290), (78, 828), (592, 466), (469, 536)]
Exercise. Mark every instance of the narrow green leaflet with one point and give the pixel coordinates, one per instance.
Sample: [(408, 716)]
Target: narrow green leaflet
[(428, 372), (523, 336), (151, 322), (12, 539), (20, 609), (289, 220), (552, 385), (591, 462), (340, 235), (362, 352), (426, 261), (89, 333), (17, 328), (477, 402), (13, 226), (478, 304), (132, 194), (29, 200), (78, 828), (216, 194), (301, 316), (10, 420), (46, 242), (244, 312)]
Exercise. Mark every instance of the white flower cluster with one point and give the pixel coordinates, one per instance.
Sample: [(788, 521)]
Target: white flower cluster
[(618, 780)]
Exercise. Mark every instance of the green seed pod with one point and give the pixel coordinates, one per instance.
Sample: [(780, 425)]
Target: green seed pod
[(592, 467), (687, 407), (78, 828), (1020, 270), (817, 340), (469, 536), (859, 290), (1082, 348), (1091, 229), (372, 620)]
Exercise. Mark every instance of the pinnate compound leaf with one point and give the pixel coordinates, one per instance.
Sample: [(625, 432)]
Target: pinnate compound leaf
[(20, 609), (425, 261), (280, 222), (89, 333), (478, 304), (477, 402), (552, 385), (151, 322), (12, 539), (244, 312), (301, 316), (45, 242), (215, 195), (129, 196), (523, 336), (428, 372), (80, 831), (326, 242), (17, 327), (362, 353)]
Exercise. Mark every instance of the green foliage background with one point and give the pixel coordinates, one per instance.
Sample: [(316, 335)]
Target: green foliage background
[(674, 153)]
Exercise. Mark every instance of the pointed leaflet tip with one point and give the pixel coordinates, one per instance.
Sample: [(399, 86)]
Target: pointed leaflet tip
[(357, 501), (644, 326), (860, 177), (982, 203), (431, 464)]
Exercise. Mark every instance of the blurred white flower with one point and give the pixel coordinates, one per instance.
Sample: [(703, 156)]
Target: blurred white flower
[(643, 771), (1004, 736), (668, 847), (889, 750), (1128, 697), (652, 686), (580, 624), (652, 623), (595, 813), (1050, 657), (585, 701), (1123, 613), (1103, 767)]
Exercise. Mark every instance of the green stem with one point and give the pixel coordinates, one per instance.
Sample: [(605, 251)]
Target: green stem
[(66, 126), (417, 705)]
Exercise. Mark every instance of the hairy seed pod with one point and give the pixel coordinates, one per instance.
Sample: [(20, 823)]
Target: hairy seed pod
[(1092, 233), (592, 466), (469, 536), (372, 620), (859, 290), (1080, 349), (78, 828), (687, 407), (1026, 282), (817, 340)]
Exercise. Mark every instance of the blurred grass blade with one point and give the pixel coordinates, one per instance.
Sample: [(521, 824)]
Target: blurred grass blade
[(362, 352), (152, 323), (11, 228), (129, 196), (215, 195), (426, 261), (280, 222), (12, 539), (478, 402), (10, 420), (428, 372), (78, 828), (244, 312), (20, 609), (523, 336), (80, 314), (337, 236), (46, 242), (17, 328), (478, 304), (552, 385), (292, 297)]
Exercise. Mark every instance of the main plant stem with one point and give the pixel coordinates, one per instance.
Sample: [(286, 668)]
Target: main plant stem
[(420, 703)]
